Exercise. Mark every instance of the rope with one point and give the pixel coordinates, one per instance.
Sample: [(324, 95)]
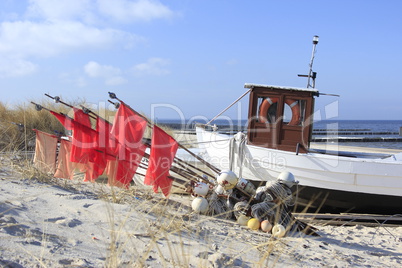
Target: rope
[(237, 149), (279, 212), (233, 103), (240, 153), (263, 210), (200, 142), (218, 207), (281, 192), (240, 208)]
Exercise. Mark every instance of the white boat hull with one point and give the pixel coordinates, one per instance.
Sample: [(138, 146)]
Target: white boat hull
[(381, 177)]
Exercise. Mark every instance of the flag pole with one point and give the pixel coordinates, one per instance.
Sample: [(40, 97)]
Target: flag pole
[(212, 167), (215, 169), (87, 111), (190, 174), (58, 100), (177, 170)]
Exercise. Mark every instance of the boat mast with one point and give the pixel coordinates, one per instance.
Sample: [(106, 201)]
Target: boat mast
[(311, 75)]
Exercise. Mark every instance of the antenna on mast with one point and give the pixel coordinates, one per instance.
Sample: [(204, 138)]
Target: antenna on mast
[(311, 75)]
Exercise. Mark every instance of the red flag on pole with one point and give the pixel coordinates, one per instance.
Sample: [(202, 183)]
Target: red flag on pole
[(84, 149), (106, 141), (83, 135), (84, 138), (128, 129), (45, 151), (66, 121), (82, 117), (89, 152), (64, 165), (163, 151)]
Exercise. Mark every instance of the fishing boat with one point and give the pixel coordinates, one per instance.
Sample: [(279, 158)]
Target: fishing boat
[(280, 123), (279, 131)]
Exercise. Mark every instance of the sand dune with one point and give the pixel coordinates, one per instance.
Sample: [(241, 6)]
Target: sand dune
[(60, 223)]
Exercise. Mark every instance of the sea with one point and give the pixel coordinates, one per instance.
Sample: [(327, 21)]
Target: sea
[(362, 133)]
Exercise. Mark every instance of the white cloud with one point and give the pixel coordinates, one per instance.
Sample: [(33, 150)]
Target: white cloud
[(115, 81), (125, 10), (26, 39), (77, 81), (111, 75), (14, 67), (86, 10), (59, 10), (53, 27), (94, 69), (153, 66)]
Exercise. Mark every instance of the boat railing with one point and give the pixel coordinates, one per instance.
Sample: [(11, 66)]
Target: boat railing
[(351, 154)]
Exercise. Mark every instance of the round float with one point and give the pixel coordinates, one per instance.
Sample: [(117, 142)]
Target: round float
[(200, 205), (253, 224), (266, 226), (243, 220), (278, 230), (201, 188)]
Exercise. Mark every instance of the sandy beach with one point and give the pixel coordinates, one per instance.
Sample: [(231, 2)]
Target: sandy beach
[(63, 223)]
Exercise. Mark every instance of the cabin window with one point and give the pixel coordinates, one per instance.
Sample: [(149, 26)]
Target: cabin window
[(267, 110), (294, 112)]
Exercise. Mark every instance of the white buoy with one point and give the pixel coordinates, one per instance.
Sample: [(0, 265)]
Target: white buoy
[(200, 205), (287, 178), (278, 230), (242, 220), (219, 190), (201, 188), (247, 186), (227, 179)]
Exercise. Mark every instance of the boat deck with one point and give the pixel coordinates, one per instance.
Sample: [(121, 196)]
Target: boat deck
[(334, 147)]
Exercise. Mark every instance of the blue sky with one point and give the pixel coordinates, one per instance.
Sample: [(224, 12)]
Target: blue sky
[(191, 58)]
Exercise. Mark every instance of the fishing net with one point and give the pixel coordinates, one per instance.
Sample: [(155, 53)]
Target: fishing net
[(218, 207)]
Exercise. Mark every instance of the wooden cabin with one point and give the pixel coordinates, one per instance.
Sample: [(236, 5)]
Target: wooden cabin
[(280, 117)]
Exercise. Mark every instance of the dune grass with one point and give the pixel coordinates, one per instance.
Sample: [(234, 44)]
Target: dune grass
[(17, 123)]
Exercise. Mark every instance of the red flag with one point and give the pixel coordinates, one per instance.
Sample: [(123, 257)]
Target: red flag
[(119, 174), (106, 142), (83, 135), (45, 151), (82, 117), (64, 165), (163, 150), (84, 138), (128, 130), (84, 148), (66, 121), (94, 169), (111, 170)]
